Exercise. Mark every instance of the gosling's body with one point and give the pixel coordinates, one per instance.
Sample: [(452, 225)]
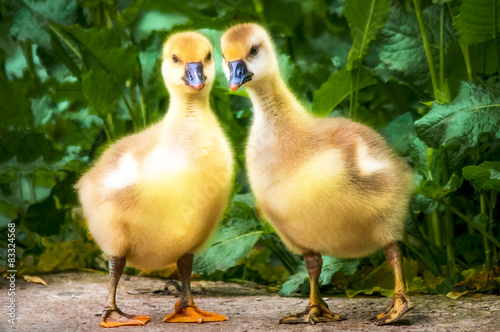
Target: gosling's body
[(327, 185), (157, 195)]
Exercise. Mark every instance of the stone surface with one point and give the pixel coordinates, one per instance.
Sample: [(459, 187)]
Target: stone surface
[(74, 301)]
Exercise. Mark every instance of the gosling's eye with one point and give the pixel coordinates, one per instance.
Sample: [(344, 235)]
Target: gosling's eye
[(209, 56), (175, 59), (253, 50)]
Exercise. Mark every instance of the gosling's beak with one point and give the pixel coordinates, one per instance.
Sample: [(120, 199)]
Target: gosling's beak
[(194, 75), (238, 74)]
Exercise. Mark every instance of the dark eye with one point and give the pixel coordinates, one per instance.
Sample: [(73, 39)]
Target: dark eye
[(209, 56), (175, 59), (253, 50)]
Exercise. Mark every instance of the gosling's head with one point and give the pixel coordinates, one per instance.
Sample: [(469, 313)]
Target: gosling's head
[(248, 55), (188, 65)]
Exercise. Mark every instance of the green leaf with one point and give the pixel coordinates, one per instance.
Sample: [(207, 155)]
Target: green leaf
[(476, 21), (44, 218), (381, 279), (295, 281), (63, 55), (401, 50), (129, 14), (105, 51), (15, 109), (233, 240), (475, 111), (33, 17), (72, 255), (398, 133), (432, 188), (421, 203), (27, 146), (483, 177), (100, 90), (331, 265), (337, 88), (365, 18)]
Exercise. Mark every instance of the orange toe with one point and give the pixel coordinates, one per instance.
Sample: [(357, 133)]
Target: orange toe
[(116, 319), (192, 314)]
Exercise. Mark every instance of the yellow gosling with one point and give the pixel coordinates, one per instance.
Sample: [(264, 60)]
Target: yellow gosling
[(155, 197), (329, 186)]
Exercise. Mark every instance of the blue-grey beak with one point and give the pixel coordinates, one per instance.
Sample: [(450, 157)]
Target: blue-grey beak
[(238, 74), (193, 76)]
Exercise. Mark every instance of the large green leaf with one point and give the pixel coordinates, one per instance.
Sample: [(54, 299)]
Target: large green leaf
[(401, 50), (100, 90), (365, 18), (233, 240), (381, 279), (337, 88), (27, 146), (104, 51), (477, 22), (72, 255), (44, 218), (483, 177), (398, 133), (32, 18), (331, 265), (15, 108), (475, 112)]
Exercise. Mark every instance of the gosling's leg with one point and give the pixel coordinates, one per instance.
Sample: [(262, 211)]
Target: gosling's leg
[(185, 310), (112, 316), (317, 311), (401, 302)]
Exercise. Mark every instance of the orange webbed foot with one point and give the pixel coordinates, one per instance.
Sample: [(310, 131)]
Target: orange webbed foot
[(191, 314), (115, 318)]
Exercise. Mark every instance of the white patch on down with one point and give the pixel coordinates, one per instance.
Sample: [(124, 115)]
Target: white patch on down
[(163, 162), (126, 174), (366, 163)]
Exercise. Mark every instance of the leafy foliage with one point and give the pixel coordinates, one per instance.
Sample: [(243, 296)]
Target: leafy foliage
[(478, 21), (365, 18), (76, 75)]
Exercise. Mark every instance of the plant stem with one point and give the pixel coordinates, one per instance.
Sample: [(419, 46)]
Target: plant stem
[(426, 245), (441, 48), (470, 221), (487, 248), (28, 55), (432, 267), (495, 37), (352, 111), (32, 189), (450, 250), (465, 49), (436, 228), (356, 91), (448, 222), (427, 47)]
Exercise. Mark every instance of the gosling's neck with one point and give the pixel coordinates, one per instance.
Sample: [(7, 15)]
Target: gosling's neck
[(184, 104), (187, 114), (273, 103)]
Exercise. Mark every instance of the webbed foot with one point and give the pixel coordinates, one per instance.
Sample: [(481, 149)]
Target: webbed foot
[(115, 317), (312, 315), (401, 304), (191, 314)]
